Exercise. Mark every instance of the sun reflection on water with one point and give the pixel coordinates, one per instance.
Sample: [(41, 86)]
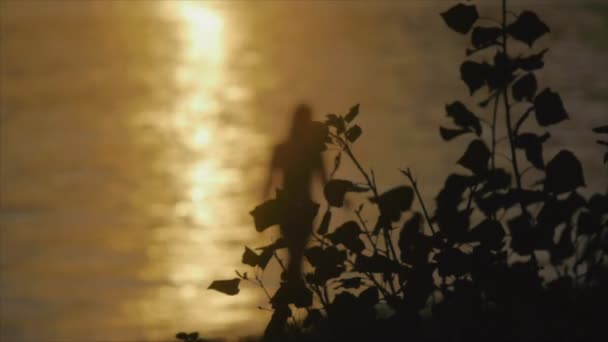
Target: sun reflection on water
[(200, 245)]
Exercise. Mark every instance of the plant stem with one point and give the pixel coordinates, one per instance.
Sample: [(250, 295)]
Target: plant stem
[(494, 132), (366, 231), (521, 120), (409, 176), (505, 96), (387, 236)]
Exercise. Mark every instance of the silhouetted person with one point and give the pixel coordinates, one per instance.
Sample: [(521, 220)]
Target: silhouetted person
[(297, 159)]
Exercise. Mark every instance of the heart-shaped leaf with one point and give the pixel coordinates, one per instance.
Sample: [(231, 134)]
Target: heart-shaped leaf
[(474, 74), (461, 18), (527, 28), (549, 108), (564, 173), (525, 87), (476, 157)]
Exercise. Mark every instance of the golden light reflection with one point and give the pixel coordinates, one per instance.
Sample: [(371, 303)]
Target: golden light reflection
[(208, 166)]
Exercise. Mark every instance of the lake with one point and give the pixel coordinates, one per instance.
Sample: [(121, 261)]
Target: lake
[(136, 137)]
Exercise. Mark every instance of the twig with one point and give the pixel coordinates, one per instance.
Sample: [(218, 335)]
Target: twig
[(408, 174)]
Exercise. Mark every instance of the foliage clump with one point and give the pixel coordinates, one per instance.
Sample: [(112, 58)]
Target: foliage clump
[(502, 256)]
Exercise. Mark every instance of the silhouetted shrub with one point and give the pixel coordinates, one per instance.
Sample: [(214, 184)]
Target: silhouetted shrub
[(471, 268)]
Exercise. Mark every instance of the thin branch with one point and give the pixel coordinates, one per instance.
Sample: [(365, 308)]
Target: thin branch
[(522, 119), (407, 172), (505, 96), (366, 230), (494, 132)]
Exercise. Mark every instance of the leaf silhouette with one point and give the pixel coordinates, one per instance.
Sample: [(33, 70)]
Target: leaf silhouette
[(527, 28), (448, 134), (266, 214), (485, 36), (335, 190), (495, 179), (335, 121), (461, 18), (453, 223), (451, 193), (250, 257), (353, 133), (292, 293), (392, 203), (474, 74), (549, 108), (328, 262), (348, 235), (490, 233), (463, 117), (352, 113), (564, 173), (476, 157), (532, 62), (229, 287), (555, 211), (522, 235), (533, 145), (501, 74), (414, 246), (525, 88)]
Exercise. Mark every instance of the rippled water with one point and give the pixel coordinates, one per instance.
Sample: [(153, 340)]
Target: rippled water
[(135, 137)]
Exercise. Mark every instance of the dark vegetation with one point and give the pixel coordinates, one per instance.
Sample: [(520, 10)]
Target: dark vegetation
[(512, 250)]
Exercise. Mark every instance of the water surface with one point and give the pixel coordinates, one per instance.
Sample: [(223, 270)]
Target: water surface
[(135, 138)]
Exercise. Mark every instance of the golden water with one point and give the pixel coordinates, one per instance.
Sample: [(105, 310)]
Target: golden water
[(135, 137)]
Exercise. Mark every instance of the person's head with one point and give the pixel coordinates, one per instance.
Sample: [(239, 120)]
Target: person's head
[(301, 119)]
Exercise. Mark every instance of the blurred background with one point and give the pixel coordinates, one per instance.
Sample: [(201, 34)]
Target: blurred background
[(135, 138)]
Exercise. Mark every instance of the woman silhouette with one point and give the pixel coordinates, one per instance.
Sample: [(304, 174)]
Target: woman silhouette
[(297, 159)]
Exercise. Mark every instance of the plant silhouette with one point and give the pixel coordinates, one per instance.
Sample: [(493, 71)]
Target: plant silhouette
[(501, 256)]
